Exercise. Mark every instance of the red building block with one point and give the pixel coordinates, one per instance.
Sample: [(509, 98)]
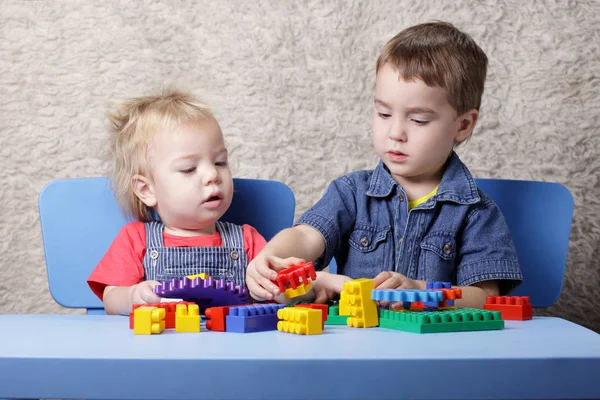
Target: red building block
[(512, 307), (216, 318), (323, 307), (295, 275)]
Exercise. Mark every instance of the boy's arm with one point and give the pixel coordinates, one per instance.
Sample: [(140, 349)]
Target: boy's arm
[(303, 242), (315, 237)]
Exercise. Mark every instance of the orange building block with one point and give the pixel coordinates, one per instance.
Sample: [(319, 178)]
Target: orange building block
[(512, 307)]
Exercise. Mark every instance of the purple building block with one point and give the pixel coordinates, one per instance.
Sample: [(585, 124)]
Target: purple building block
[(254, 318), (204, 292)]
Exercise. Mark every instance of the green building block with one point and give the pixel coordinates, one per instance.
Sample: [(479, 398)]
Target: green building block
[(334, 317), (456, 320)]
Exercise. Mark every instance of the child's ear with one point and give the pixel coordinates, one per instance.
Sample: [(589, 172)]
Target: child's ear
[(466, 124), (144, 190)]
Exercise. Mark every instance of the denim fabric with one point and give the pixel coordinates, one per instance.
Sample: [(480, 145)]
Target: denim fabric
[(459, 235)]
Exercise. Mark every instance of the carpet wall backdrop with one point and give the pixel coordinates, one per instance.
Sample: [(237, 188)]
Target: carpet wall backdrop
[(292, 85)]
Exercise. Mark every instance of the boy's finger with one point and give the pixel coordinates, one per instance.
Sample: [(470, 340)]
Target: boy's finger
[(288, 262), (381, 278)]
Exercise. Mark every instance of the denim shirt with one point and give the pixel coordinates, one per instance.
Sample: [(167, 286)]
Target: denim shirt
[(458, 235)]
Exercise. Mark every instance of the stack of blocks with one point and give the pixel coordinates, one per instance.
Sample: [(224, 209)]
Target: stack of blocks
[(442, 316), (295, 281), (334, 317), (355, 302)]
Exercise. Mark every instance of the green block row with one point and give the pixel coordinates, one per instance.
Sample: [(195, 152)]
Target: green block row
[(456, 320)]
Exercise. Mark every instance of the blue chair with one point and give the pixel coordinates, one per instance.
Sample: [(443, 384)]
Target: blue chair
[(539, 217), (80, 218)]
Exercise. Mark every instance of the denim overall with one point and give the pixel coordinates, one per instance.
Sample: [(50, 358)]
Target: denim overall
[(226, 262)]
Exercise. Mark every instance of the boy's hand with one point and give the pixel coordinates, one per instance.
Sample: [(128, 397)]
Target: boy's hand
[(394, 280), (327, 286), (142, 293), (261, 271)]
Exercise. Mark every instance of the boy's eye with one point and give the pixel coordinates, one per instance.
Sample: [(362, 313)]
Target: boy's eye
[(420, 122), (221, 163), (188, 170), (383, 115)]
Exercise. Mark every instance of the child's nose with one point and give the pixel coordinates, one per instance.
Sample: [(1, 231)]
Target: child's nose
[(211, 176), (397, 132)]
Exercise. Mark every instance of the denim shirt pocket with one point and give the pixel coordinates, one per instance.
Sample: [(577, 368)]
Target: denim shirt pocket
[(438, 257), (369, 251)]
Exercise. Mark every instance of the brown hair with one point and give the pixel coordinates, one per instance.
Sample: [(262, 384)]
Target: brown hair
[(440, 55)]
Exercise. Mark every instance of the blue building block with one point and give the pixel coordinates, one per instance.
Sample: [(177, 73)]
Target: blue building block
[(406, 295), (255, 318), (437, 285)]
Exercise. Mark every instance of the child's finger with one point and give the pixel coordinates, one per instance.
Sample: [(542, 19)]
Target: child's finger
[(382, 278), (264, 283), (263, 270), (257, 292), (288, 262)]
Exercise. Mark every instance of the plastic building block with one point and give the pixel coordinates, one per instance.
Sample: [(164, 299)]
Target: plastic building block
[(253, 318), (298, 291), (295, 275), (407, 295), (323, 307), (512, 307), (204, 292), (357, 299), (437, 285), (334, 317), (201, 276), (459, 320), (148, 320), (216, 318), (301, 321), (187, 318), (169, 312)]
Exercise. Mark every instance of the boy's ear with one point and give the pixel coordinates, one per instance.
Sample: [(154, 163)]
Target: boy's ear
[(466, 124), (144, 190)]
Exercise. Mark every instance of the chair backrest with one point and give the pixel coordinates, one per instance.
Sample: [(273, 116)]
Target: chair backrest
[(80, 218), (539, 217)]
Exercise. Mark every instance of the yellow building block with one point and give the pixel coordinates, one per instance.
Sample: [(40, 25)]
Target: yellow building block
[(187, 318), (201, 276), (299, 291), (301, 321), (344, 306), (148, 320), (358, 303)]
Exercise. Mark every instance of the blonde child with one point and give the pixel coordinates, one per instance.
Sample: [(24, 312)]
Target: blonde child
[(418, 216), (169, 160)]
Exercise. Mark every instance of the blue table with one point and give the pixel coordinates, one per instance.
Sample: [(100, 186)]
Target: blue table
[(77, 356)]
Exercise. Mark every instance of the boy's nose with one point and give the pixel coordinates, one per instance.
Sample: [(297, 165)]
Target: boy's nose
[(397, 132)]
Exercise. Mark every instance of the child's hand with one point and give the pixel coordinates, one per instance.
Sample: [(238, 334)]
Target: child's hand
[(394, 280), (327, 286), (261, 271), (142, 293)]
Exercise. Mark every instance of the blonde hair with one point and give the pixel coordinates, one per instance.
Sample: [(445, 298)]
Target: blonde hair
[(133, 125), (440, 55)]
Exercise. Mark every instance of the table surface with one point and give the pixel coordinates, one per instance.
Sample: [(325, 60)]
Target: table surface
[(79, 356)]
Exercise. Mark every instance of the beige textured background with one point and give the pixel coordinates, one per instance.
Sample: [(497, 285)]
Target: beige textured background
[(292, 86)]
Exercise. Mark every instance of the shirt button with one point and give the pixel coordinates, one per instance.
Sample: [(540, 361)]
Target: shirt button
[(401, 240), (400, 197), (235, 255), (364, 242), (154, 254), (447, 248)]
